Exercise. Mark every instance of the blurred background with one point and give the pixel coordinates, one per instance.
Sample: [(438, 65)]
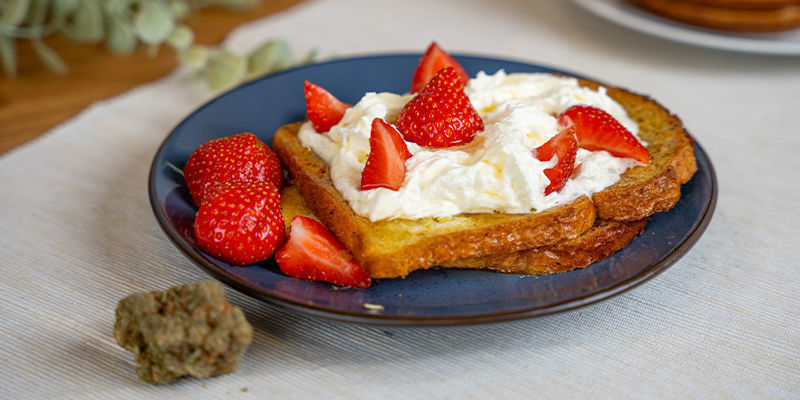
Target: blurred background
[(59, 56)]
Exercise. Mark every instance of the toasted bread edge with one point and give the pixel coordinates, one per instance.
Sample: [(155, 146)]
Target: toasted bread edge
[(310, 174)]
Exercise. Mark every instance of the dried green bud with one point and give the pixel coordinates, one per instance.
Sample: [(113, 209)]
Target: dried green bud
[(186, 330)]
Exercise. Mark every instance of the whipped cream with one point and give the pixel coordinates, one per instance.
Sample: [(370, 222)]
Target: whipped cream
[(495, 172)]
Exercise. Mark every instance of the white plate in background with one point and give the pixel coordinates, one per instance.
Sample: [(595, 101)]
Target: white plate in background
[(625, 14)]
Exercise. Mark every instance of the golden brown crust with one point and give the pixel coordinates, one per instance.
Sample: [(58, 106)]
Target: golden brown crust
[(395, 248), (730, 15), (388, 249), (599, 242), (596, 244), (746, 4), (645, 190)]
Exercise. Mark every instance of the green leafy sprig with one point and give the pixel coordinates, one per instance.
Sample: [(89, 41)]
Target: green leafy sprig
[(124, 26)]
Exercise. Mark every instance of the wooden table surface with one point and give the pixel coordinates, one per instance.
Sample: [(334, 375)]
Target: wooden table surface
[(38, 99)]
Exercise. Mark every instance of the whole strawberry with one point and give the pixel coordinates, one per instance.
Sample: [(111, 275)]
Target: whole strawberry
[(236, 158), (240, 222), (441, 115)]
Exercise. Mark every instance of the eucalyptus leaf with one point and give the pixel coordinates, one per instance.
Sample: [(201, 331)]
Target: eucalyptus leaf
[(181, 37), (152, 50), (239, 4), (180, 9), (8, 55), (153, 22), (48, 57), (195, 56), (37, 13), (117, 8), (13, 12), (65, 8), (225, 70), (120, 38), (311, 57), (87, 23), (125, 24), (270, 57)]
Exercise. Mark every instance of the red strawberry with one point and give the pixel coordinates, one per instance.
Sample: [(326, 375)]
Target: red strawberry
[(240, 222), (241, 157), (386, 164), (323, 109), (441, 114), (597, 130), (434, 60), (564, 146), (313, 253)]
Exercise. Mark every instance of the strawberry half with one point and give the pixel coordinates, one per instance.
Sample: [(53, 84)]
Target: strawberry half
[(564, 146), (386, 164), (240, 222), (441, 115), (313, 253), (597, 130), (236, 158), (434, 60), (323, 109)]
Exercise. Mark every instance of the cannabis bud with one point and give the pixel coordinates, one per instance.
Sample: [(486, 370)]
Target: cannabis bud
[(185, 330)]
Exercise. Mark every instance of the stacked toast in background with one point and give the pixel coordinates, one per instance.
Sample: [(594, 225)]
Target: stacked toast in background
[(729, 15)]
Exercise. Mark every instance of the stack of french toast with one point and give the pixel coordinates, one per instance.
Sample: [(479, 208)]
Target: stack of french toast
[(729, 15), (557, 239)]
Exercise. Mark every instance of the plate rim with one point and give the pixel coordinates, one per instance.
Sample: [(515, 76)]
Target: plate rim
[(378, 319), (678, 32)]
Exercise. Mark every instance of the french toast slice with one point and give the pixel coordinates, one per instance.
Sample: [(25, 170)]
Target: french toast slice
[(394, 248), (738, 16), (597, 243), (644, 190)]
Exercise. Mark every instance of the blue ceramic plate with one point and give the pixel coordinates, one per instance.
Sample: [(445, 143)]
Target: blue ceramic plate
[(435, 297)]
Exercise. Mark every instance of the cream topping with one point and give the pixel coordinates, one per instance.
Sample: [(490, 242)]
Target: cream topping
[(496, 172)]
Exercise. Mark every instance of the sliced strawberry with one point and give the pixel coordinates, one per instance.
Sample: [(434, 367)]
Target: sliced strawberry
[(386, 164), (434, 60), (240, 222), (597, 130), (241, 157), (564, 146), (313, 253), (323, 109), (441, 115)]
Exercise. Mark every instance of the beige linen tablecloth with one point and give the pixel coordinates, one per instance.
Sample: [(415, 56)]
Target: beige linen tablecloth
[(77, 234)]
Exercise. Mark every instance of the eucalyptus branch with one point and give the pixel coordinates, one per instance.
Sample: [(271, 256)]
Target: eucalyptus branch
[(124, 26)]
